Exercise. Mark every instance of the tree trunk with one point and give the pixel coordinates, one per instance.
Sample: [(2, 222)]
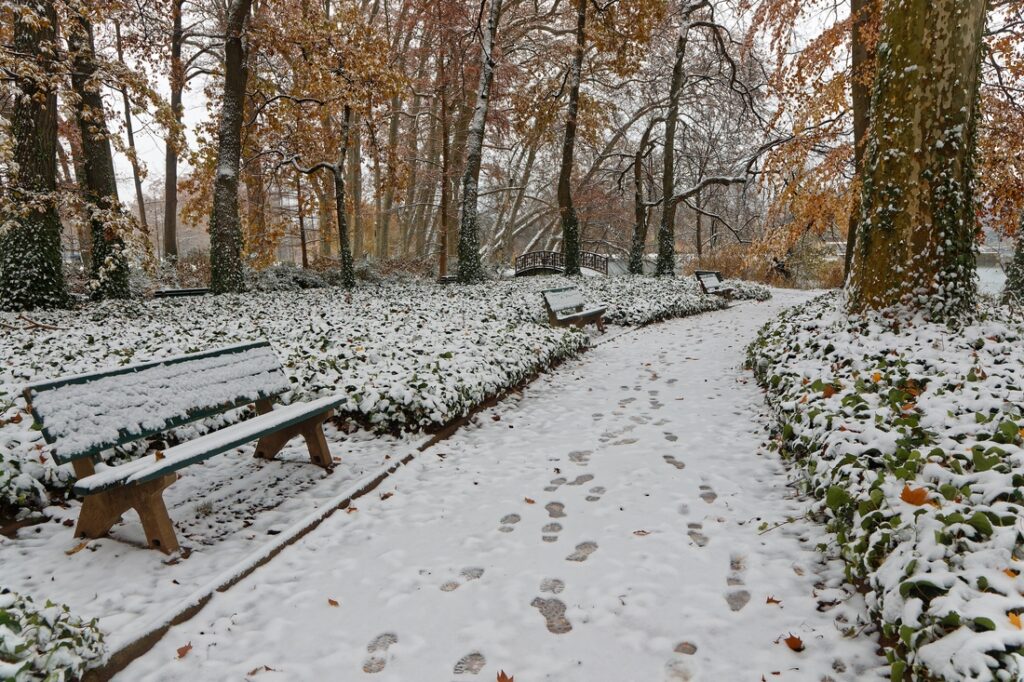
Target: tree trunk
[(916, 236), (99, 189), (862, 61), (171, 146), (302, 220), (470, 269), (31, 266), (134, 158), (570, 223), (639, 241), (1013, 290), (348, 277), (227, 274), (355, 182), (667, 230), (442, 263)]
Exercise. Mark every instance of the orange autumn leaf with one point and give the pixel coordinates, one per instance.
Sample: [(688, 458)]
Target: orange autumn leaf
[(772, 600), (77, 548), (502, 677), (529, 501), (876, 377), (794, 643), (159, 455), (183, 650), (1014, 620), (828, 391), (914, 496), (332, 602)]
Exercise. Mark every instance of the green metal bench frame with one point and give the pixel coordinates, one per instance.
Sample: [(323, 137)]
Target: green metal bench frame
[(575, 315), (105, 503)]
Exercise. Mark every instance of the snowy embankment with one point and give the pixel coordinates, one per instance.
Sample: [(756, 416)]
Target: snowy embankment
[(911, 442)]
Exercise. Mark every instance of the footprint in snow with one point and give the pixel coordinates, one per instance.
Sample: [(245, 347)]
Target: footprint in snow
[(468, 574), (580, 457), (508, 521), (556, 510), (671, 437), (707, 494), (674, 462), (554, 484), (736, 599), (583, 550), (581, 479), (595, 493), (553, 611), (470, 664), (379, 644), (696, 535), (552, 585), (550, 532), (677, 670)]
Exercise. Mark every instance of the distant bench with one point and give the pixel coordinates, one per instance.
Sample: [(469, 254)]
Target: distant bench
[(86, 414), (711, 284), (175, 293), (566, 307)]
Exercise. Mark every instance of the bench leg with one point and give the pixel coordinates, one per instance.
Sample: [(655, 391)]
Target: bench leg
[(102, 510), (311, 430)]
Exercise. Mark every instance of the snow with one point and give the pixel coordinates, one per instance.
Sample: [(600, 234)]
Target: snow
[(617, 520)]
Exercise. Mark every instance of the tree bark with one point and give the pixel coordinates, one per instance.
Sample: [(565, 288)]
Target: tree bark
[(227, 274), (640, 212), (571, 238), (862, 60), (31, 266), (171, 146), (470, 269), (667, 230), (99, 186), (129, 130), (916, 235)]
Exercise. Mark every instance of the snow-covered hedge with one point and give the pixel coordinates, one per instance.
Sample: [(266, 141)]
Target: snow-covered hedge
[(911, 442), (45, 643), (407, 355)]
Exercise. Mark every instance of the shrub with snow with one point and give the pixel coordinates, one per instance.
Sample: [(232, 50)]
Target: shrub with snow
[(45, 643), (911, 441), (408, 355)]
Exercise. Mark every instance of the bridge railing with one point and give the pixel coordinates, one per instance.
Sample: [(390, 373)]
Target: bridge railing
[(555, 260)]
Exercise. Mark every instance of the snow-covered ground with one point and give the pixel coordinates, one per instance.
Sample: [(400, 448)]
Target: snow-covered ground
[(615, 522)]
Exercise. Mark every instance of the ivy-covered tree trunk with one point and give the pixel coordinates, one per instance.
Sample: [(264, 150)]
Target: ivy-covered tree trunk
[(667, 230), (640, 210), (177, 83), (348, 276), (31, 267), (916, 235), (470, 269), (571, 240), (98, 182), (1013, 290), (862, 68), (227, 274)]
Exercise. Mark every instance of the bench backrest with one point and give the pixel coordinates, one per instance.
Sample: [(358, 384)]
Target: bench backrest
[(89, 413), (566, 298), (709, 280)]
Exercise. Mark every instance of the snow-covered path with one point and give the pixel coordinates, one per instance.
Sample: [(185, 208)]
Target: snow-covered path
[(602, 526)]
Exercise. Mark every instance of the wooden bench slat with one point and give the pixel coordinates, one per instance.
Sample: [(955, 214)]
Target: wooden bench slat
[(149, 468), (89, 413)]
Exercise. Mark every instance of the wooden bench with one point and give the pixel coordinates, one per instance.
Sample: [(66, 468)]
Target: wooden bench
[(86, 414), (711, 284), (566, 307), (175, 293)]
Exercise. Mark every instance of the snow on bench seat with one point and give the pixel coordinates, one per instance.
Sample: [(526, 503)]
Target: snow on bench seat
[(566, 306), (88, 413), (149, 468)]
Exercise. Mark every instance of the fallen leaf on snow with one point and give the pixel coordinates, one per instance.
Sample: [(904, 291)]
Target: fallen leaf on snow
[(794, 643), (915, 496), (77, 548), (1014, 620), (502, 677), (386, 495), (351, 510), (260, 669), (641, 533), (332, 602), (183, 650), (529, 501), (772, 600), (159, 455)]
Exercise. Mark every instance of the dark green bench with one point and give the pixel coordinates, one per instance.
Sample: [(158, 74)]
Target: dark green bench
[(711, 283), (86, 414), (566, 307), (178, 293)]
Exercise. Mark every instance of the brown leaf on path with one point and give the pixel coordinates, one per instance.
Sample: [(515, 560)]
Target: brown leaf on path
[(915, 496), (332, 602), (794, 643), (386, 495), (262, 668), (159, 455), (183, 650), (502, 677), (529, 501), (351, 510), (641, 533), (77, 548), (772, 600)]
